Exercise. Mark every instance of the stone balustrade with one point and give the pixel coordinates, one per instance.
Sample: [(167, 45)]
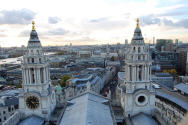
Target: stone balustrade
[(171, 114), (14, 119)]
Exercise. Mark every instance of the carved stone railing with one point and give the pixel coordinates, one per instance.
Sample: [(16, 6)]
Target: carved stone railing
[(14, 119), (170, 114)]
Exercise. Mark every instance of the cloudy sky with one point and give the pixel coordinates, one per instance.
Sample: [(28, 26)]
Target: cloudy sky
[(61, 22)]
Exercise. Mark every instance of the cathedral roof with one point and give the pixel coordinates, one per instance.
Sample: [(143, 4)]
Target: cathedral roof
[(143, 119), (137, 37), (33, 120), (33, 35), (88, 109)]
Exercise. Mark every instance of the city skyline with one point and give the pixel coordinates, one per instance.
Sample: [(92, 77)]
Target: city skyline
[(86, 22)]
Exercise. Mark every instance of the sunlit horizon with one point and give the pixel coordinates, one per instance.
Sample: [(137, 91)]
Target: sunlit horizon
[(85, 22)]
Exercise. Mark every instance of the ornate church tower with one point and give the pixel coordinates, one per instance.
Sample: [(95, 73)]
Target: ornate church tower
[(139, 95), (38, 95)]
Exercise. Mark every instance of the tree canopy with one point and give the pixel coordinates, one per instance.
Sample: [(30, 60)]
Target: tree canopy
[(64, 79), (19, 85)]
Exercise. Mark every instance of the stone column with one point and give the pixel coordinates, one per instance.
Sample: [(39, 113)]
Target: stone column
[(29, 76), (145, 72), (150, 72), (44, 75), (26, 76), (137, 74), (142, 72), (48, 72), (136, 68), (23, 82), (134, 71), (128, 73), (38, 73), (35, 75)]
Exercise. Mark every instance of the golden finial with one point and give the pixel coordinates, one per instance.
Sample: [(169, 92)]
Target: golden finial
[(33, 25), (137, 20)]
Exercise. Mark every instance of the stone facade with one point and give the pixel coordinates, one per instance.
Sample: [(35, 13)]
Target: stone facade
[(38, 95), (138, 95), (6, 112)]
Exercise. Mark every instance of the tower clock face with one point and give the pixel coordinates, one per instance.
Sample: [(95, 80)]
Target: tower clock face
[(32, 102)]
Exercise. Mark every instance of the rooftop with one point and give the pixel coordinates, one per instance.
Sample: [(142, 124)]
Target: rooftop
[(88, 109), (121, 75), (142, 119), (183, 87), (163, 75), (33, 120), (174, 97)]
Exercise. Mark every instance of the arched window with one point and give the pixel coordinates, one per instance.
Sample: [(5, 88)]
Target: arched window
[(32, 60), (140, 73), (134, 49), (41, 75), (37, 51), (130, 73), (32, 75), (139, 57), (139, 49)]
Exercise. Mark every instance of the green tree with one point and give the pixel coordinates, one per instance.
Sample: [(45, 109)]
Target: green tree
[(64, 79), (61, 53), (19, 85), (112, 58), (173, 72)]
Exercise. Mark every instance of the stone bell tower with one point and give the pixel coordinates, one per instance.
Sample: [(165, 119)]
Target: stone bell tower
[(139, 95), (38, 95)]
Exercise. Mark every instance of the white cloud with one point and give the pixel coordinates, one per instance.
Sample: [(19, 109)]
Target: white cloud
[(22, 16), (53, 20), (98, 20)]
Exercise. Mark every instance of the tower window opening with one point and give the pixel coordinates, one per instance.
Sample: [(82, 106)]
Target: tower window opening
[(40, 60), (32, 60), (139, 57), (134, 49), (41, 75), (140, 73), (130, 73), (139, 49), (33, 75)]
